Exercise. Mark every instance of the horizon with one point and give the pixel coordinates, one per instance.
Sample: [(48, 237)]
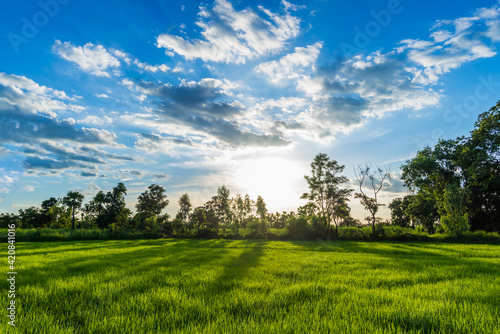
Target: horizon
[(193, 96)]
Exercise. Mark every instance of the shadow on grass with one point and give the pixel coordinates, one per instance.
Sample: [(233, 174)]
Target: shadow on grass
[(236, 269)]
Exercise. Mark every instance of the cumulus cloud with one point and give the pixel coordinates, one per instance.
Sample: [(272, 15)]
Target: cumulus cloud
[(233, 36), (30, 124), (101, 61), (345, 94), (207, 108), (292, 65), (91, 58)]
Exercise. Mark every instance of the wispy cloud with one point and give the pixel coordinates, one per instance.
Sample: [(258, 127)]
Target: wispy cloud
[(233, 36)]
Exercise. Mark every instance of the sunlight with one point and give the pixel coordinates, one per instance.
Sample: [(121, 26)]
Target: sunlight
[(279, 181)]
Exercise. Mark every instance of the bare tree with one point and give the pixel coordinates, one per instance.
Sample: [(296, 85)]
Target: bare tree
[(376, 179)]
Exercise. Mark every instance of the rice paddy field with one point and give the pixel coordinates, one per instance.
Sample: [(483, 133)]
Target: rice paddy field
[(245, 286)]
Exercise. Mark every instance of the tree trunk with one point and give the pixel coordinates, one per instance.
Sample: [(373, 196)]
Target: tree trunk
[(73, 220)]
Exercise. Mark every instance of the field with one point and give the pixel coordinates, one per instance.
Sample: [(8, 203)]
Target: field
[(244, 286)]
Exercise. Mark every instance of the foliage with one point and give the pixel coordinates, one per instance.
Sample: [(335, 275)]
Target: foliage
[(399, 211), (152, 201), (184, 208), (325, 191), (455, 219)]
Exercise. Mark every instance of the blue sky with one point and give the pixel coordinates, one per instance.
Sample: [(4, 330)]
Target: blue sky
[(194, 95)]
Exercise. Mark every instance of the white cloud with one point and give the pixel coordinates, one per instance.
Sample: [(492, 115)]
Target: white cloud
[(102, 96), (91, 58), (233, 36), (453, 42), (291, 65), (31, 97)]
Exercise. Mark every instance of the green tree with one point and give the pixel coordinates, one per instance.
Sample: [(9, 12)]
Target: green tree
[(324, 188), (399, 211), (261, 208), (152, 201), (423, 208), (455, 219), (184, 208), (74, 201), (222, 207), (115, 211), (47, 213), (479, 159)]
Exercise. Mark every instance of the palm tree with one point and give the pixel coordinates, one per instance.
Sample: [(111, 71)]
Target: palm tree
[(73, 200)]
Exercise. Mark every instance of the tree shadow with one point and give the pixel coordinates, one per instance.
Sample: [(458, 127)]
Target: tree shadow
[(235, 270)]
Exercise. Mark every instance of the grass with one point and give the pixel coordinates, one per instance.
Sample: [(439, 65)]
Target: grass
[(255, 286)]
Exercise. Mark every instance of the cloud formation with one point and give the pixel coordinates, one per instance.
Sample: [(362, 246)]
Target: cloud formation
[(91, 58), (31, 125), (233, 36), (207, 108)]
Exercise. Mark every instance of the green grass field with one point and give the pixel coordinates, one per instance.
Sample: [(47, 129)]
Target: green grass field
[(244, 286)]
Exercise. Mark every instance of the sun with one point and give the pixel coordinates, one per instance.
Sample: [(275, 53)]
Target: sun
[(280, 181)]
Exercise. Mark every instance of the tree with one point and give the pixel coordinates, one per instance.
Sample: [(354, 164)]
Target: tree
[(222, 207), (115, 211), (377, 178), (399, 211), (74, 201), (325, 190), (199, 218), (29, 218), (184, 208), (423, 208), (47, 213), (261, 208), (455, 219), (479, 158), (152, 201), (99, 201)]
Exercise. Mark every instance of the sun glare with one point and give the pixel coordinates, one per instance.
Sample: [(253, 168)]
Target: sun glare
[(279, 181)]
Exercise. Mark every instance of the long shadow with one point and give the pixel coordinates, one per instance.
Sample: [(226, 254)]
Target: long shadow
[(132, 261), (235, 270)]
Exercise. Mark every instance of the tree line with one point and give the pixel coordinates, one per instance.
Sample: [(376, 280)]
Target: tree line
[(455, 184)]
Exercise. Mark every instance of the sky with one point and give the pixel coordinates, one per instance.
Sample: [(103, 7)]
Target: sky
[(194, 95)]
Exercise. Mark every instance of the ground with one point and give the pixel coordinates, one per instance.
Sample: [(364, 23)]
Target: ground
[(245, 286)]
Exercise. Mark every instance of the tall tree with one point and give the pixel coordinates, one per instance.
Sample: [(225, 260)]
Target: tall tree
[(74, 201), (152, 201), (222, 207), (184, 207), (376, 179), (479, 157), (455, 220), (261, 208), (325, 188), (115, 211), (47, 213)]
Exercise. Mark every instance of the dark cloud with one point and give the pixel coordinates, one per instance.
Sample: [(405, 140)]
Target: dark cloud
[(48, 163), (395, 185), (205, 107), (159, 139), (28, 120), (135, 172), (22, 127), (344, 110), (88, 174)]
